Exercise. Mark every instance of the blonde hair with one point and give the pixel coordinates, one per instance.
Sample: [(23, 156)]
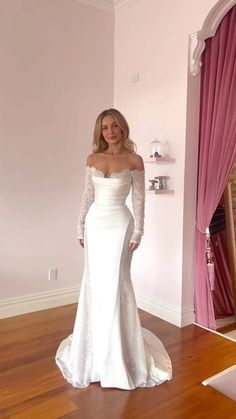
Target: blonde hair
[(99, 144)]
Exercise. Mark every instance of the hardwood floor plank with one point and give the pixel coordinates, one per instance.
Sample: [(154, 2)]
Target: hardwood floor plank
[(32, 387), (49, 406)]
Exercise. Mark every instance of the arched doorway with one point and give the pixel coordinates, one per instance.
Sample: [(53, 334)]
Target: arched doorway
[(197, 45)]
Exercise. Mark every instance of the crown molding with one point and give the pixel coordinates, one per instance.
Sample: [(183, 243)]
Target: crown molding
[(111, 6), (197, 40), (105, 5), (121, 4)]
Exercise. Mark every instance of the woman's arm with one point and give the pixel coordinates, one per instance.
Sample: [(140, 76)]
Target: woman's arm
[(138, 200), (87, 200)]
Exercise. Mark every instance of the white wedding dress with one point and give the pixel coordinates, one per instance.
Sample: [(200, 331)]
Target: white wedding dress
[(108, 344)]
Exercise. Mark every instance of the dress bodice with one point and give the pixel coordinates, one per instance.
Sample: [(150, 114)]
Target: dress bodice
[(112, 190)]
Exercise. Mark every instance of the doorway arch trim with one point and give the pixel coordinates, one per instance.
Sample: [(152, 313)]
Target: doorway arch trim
[(197, 39)]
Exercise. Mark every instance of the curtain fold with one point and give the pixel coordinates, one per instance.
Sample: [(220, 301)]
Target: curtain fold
[(217, 147), (223, 293)]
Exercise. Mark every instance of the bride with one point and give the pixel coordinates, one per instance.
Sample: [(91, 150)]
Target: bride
[(108, 344)]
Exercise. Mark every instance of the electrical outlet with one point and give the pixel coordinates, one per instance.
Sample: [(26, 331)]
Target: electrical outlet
[(52, 274)]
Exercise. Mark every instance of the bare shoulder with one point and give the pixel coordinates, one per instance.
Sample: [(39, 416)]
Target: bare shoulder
[(136, 161), (91, 160)]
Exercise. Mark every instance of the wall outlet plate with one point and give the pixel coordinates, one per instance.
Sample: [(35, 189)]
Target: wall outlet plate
[(52, 274)]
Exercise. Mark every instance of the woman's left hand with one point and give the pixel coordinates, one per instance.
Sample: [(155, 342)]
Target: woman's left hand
[(133, 246)]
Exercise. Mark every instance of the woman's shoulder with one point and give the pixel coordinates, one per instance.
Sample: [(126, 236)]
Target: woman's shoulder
[(136, 161), (91, 159)]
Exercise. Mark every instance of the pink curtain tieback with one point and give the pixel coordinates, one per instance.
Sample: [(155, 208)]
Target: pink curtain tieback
[(200, 229), (209, 260)]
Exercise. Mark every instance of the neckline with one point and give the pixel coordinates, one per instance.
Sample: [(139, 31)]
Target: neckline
[(100, 172)]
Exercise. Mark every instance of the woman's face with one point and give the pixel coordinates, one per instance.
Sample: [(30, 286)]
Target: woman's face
[(111, 131)]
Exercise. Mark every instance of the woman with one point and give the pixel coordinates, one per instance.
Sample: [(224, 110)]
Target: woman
[(108, 343)]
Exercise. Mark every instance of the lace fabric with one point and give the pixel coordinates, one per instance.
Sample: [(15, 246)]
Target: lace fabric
[(113, 175), (87, 200), (138, 202)]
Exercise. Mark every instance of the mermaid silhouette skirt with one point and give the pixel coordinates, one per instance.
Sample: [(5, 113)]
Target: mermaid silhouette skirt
[(108, 344)]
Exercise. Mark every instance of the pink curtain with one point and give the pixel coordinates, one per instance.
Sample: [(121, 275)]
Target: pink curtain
[(223, 291), (217, 147)]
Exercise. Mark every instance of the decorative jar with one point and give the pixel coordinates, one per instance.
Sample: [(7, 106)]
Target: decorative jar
[(156, 149)]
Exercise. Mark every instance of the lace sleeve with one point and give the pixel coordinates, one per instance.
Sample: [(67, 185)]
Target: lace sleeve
[(138, 200), (87, 200)]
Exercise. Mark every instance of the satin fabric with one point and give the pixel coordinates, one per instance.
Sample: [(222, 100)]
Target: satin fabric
[(108, 344)]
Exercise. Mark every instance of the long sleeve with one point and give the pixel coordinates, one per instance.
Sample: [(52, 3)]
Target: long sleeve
[(87, 200), (138, 201)]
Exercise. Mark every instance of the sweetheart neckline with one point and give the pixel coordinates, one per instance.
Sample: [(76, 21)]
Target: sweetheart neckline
[(114, 173)]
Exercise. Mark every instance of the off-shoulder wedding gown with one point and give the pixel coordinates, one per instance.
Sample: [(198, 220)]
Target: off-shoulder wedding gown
[(108, 343)]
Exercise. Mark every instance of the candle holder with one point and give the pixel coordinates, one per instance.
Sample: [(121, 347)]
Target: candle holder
[(152, 186), (157, 149), (161, 182)]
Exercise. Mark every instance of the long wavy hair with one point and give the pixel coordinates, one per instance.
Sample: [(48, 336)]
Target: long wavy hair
[(99, 144)]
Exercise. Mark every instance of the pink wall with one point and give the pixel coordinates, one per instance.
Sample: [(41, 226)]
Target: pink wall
[(151, 38), (56, 75)]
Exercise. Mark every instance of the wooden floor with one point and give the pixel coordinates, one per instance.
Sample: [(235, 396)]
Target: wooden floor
[(32, 387)]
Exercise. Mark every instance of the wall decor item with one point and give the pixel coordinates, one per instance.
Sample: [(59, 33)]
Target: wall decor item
[(157, 149), (158, 184), (161, 182), (152, 186)]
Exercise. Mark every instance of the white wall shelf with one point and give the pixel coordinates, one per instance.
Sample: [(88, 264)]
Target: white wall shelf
[(161, 160), (161, 191)]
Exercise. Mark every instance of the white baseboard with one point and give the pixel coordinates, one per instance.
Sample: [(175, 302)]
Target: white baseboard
[(43, 300), (188, 316), (40, 301), (178, 316)]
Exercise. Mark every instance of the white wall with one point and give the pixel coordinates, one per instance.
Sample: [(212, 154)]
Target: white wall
[(56, 75), (151, 38)]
